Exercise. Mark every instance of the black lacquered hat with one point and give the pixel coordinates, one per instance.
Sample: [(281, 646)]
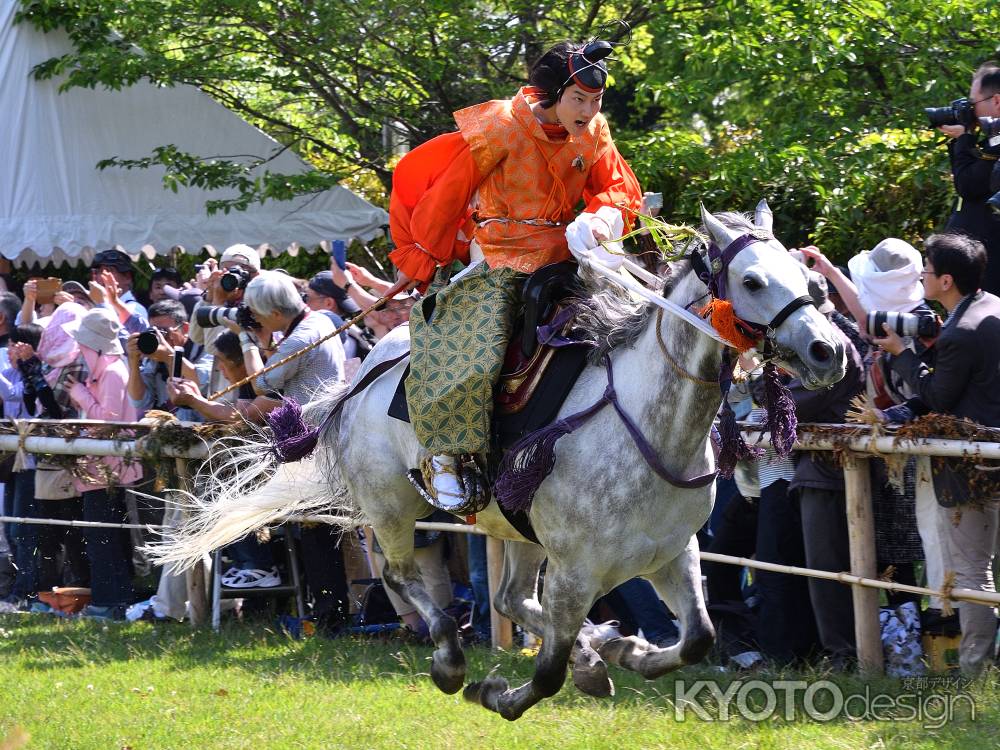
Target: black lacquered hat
[(587, 68)]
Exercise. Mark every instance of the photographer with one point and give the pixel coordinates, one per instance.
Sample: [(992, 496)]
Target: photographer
[(223, 287), (278, 307), (151, 359), (962, 382), (971, 169)]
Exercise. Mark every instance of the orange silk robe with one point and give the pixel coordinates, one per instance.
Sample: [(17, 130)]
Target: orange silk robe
[(507, 165)]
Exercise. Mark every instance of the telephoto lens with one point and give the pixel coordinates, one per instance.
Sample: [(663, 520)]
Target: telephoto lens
[(148, 342), (208, 316), (908, 325), (959, 112)]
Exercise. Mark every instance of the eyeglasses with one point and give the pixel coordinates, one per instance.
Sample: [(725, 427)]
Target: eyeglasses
[(165, 331)]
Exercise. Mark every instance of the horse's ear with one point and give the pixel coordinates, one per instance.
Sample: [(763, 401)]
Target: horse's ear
[(721, 234), (762, 216)]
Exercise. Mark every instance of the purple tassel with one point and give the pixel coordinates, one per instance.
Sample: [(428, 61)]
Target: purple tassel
[(293, 439), (781, 419), (525, 466), (733, 447)]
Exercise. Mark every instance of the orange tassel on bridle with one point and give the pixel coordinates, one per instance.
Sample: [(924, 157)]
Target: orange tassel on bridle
[(724, 320)]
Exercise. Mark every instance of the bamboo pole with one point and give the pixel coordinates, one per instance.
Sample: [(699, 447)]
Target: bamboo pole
[(861, 540), (194, 578), (501, 629), (883, 445), (94, 447)]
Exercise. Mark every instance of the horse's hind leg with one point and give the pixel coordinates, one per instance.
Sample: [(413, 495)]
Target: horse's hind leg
[(679, 584), (566, 599), (401, 574), (516, 597)]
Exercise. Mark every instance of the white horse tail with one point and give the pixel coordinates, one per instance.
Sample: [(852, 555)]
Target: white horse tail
[(242, 488)]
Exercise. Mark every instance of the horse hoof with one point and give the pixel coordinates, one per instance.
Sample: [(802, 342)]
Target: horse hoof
[(590, 675), (485, 692), (448, 676)]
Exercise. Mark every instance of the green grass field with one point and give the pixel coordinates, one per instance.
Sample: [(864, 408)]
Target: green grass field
[(86, 685)]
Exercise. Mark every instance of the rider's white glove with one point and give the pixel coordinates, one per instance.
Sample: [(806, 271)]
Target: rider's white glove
[(606, 222)]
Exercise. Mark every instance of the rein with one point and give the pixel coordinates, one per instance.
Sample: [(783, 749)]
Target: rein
[(532, 458)]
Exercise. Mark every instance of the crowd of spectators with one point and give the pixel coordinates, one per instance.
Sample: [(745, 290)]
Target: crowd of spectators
[(95, 351)]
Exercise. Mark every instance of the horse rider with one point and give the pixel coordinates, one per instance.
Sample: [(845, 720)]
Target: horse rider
[(498, 195)]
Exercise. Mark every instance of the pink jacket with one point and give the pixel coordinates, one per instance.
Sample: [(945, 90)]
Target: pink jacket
[(105, 396)]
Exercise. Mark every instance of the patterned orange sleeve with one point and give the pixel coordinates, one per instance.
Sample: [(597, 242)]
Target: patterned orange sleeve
[(612, 183), (429, 215)]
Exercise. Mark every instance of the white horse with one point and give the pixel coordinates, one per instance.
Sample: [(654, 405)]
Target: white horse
[(602, 516)]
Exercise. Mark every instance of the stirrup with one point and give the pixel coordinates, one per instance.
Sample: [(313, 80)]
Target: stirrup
[(476, 495)]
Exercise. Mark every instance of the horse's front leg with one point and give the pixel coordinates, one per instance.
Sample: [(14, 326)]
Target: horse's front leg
[(566, 600), (402, 575), (679, 584), (517, 600)]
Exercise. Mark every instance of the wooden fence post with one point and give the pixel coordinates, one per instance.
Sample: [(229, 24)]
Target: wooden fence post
[(501, 629), (861, 535), (197, 592)]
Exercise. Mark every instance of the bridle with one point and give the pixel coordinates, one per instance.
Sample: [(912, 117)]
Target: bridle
[(714, 274)]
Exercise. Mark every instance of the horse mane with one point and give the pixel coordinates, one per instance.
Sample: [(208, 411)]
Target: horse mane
[(608, 317)]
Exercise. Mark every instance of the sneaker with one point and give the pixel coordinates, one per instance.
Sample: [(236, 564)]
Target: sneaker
[(254, 579), (96, 612), (229, 575), (9, 608)]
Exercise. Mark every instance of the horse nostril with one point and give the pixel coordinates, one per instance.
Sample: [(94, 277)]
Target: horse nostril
[(821, 351)]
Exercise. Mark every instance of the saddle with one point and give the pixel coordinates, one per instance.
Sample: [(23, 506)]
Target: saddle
[(537, 374)]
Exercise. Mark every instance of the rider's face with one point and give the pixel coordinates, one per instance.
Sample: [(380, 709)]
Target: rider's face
[(576, 108)]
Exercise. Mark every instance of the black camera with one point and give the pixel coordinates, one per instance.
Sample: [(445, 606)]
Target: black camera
[(147, 342), (235, 278), (959, 112), (923, 324), (208, 316)]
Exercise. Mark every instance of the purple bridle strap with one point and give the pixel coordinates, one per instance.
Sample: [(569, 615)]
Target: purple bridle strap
[(574, 421)]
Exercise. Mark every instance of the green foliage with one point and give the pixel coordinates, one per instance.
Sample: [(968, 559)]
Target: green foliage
[(816, 105)]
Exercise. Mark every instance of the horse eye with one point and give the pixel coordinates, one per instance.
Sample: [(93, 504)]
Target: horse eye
[(752, 284)]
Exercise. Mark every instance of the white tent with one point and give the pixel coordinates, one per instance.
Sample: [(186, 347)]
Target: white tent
[(56, 206)]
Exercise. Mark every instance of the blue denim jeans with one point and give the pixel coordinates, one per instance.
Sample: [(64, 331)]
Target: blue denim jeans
[(108, 549), (640, 607), (249, 554), (479, 580), (25, 535)]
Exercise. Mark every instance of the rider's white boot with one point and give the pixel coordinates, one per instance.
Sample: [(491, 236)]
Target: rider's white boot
[(445, 485)]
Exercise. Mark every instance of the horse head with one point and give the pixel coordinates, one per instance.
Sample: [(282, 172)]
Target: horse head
[(768, 289)]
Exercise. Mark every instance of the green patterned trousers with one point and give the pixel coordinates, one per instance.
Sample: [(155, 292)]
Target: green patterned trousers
[(456, 356)]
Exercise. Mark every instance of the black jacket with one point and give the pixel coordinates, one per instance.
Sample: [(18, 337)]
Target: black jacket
[(972, 173), (964, 381)]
